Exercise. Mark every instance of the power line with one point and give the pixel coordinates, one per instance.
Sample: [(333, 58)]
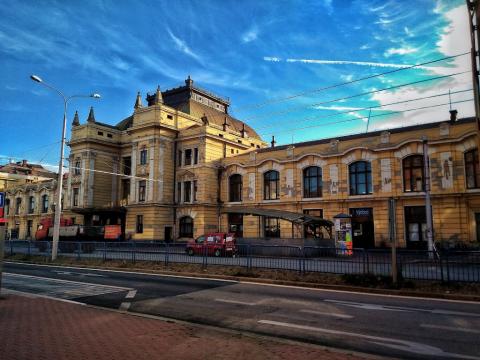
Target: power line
[(372, 107), (356, 118), (358, 95), (259, 105)]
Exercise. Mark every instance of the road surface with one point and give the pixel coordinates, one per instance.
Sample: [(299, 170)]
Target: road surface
[(407, 328)]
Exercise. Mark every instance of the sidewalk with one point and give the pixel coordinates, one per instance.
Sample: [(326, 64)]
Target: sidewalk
[(45, 329)]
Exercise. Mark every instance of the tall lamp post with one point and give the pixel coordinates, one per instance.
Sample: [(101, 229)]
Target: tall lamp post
[(58, 206)]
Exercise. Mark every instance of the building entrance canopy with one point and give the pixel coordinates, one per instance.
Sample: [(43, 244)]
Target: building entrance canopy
[(293, 217)]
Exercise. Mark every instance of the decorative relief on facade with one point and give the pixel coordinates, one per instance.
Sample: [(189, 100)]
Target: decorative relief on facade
[(386, 173), (444, 129), (466, 145), (333, 169), (187, 212), (385, 137), (349, 159), (367, 155), (333, 146), (252, 156), (446, 165), (251, 187), (316, 162), (289, 189), (290, 151), (272, 165), (400, 154)]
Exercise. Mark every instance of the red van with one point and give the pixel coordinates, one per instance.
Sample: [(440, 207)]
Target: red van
[(215, 244)]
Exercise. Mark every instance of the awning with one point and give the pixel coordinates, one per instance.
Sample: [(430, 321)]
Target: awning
[(293, 217)]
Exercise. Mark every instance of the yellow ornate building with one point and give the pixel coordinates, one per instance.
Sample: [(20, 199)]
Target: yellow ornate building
[(181, 166)]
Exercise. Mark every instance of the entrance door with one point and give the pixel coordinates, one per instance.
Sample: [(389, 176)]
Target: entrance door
[(416, 227), (168, 234), (235, 224), (362, 228)]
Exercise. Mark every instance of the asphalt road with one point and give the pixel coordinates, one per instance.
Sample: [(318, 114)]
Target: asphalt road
[(406, 328)]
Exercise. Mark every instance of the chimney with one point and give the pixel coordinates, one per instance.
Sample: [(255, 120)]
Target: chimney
[(273, 142), (243, 131), (24, 163), (453, 115)]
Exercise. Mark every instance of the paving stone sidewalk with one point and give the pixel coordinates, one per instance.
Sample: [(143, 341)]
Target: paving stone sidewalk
[(39, 328)]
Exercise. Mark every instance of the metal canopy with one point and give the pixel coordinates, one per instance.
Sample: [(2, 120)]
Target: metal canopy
[(293, 217)]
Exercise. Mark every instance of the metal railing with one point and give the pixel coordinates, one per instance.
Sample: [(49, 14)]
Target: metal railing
[(448, 266)]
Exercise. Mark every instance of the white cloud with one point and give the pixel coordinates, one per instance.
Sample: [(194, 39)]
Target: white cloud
[(250, 35), (346, 78), (365, 47), (183, 47), (408, 32), (359, 63), (272, 58), (400, 51)]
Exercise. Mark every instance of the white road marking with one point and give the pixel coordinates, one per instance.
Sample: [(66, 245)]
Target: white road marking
[(341, 316), (451, 328), (368, 306), (398, 344), (131, 294), (77, 274), (124, 306), (236, 302)]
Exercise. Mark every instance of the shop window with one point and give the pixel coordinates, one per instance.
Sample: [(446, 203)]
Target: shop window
[(312, 182), (235, 188), (139, 224), (472, 169), (186, 227), (360, 176), (271, 227), (271, 190)]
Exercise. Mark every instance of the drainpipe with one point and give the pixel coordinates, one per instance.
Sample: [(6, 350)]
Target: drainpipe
[(175, 188)]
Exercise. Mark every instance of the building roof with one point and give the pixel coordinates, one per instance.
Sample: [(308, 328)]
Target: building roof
[(368, 134), (25, 168)]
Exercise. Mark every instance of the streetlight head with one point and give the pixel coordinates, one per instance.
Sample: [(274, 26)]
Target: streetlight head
[(36, 78), (96, 96)]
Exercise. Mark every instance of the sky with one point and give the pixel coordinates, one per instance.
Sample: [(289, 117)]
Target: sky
[(295, 69)]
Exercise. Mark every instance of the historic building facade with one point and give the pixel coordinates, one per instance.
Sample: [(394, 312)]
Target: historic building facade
[(357, 175), (180, 163)]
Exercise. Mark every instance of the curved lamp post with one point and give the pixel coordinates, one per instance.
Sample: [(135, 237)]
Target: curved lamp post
[(58, 207)]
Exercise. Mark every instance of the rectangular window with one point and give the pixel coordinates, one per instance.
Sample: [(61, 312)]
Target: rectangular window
[(170, 117), (143, 157), (29, 228), (75, 197), (179, 158), (109, 136), (188, 157), (472, 169), (195, 156), (187, 191), (77, 167), (179, 192), (139, 224), (195, 189), (31, 205), (142, 185), (19, 204), (100, 133), (7, 206), (125, 189), (127, 165), (45, 203), (271, 227)]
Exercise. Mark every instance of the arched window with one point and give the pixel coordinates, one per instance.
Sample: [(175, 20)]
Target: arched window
[(45, 203), (413, 173), (472, 170), (235, 188), (186, 227), (312, 182), (360, 173), (271, 190)]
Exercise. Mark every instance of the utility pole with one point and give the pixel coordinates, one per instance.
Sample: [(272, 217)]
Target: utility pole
[(473, 17), (428, 203)]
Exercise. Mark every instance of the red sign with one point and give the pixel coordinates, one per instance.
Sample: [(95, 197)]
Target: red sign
[(113, 232)]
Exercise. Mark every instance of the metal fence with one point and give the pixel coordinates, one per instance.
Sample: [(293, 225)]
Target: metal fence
[(458, 266)]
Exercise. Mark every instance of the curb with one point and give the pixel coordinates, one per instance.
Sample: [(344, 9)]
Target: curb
[(302, 284)]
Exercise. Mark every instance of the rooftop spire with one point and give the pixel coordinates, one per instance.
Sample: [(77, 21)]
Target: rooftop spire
[(91, 116), (138, 101), (75, 121), (273, 142), (158, 96), (189, 81)]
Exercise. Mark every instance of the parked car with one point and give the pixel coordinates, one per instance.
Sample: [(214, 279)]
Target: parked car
[(215, 244)]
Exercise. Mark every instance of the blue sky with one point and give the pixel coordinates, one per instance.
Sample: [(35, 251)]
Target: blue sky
[(257, 53)]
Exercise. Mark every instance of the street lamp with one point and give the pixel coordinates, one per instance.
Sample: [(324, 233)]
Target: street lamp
[(58, 207)]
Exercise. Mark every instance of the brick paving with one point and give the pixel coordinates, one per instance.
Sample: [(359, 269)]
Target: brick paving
[(39, 328)]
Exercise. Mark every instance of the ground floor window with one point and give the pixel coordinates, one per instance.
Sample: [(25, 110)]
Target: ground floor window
[(186, 227), (29, 228), (271, 227), (235, 224), (313, 231), (362, 228), (416, 227)]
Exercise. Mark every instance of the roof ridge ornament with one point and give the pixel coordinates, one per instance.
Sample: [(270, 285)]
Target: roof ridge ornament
[(91, 116), (158, 96), (189, 81), (76, 120), (138, 101)]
